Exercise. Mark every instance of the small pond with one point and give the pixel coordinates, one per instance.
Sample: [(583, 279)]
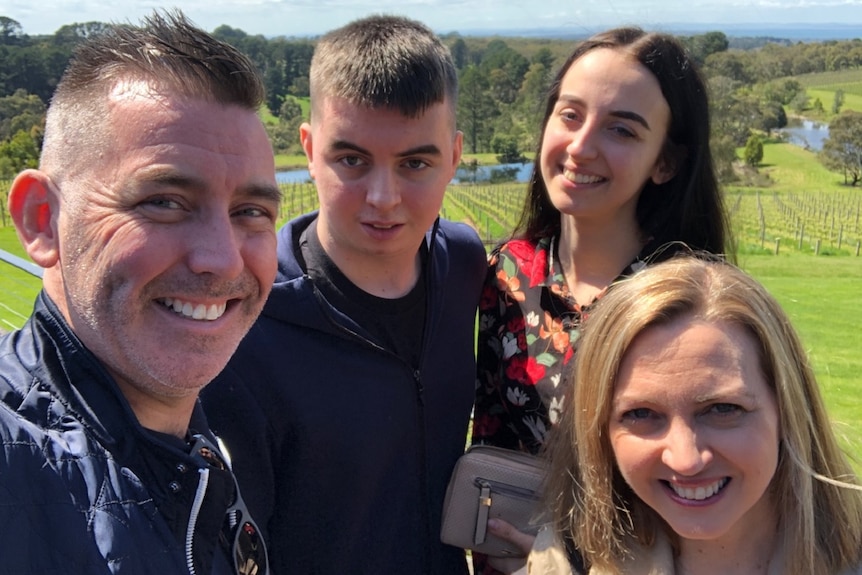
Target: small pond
[(807, 134), (465, 174)]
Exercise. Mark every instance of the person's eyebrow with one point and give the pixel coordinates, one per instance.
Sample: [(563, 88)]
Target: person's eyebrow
[(170, 178), (426, 149), (725, 395), (628, 115), (167, 177), (266, 192), (622, 114), (344, 145)]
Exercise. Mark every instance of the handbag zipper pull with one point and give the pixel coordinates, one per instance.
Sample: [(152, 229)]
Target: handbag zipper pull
[(484, 509)]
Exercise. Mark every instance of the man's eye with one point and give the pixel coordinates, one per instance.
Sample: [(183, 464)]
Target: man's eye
[(416, 164), (163, 203), (352, 161), (253, 212)]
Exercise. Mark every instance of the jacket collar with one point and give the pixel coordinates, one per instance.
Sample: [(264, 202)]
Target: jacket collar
[(67, 379), (294, 299)]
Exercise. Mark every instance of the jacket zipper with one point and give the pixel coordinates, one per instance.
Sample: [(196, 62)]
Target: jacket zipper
[(506, 489), (193, 518), (417, 379)]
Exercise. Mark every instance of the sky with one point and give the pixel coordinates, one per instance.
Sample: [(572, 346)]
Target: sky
[(309, 18)]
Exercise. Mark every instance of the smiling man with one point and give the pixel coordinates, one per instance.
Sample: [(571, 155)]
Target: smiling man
[(350, 397), (153, 215)]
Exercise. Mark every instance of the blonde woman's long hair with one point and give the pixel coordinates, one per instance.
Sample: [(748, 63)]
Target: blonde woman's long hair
[(815, 489)]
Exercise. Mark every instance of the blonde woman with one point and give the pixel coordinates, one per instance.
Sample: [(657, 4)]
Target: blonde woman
[(703, 445)]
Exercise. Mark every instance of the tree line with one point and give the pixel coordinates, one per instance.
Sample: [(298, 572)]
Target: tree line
[(502, 84)]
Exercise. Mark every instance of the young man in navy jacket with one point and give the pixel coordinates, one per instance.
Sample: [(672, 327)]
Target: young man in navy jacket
[(348, 401)]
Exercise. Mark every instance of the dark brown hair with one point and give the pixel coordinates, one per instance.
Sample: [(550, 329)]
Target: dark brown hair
[(689, 207)]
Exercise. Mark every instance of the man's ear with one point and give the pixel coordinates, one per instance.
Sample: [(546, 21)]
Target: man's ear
[(307, 147), (34, 205), (457, 149)]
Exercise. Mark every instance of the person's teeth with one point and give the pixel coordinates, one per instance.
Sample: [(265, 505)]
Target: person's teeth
[(216, 311), (198, 312), (581, 178), (699, 493)]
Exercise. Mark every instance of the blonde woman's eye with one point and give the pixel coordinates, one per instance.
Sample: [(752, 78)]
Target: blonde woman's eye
[(725, 409), (638, 414)]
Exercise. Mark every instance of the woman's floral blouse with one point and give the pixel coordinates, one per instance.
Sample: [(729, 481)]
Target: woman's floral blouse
[(528, 323)]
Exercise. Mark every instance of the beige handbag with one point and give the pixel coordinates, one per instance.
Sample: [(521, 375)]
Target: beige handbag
[(491, 482)]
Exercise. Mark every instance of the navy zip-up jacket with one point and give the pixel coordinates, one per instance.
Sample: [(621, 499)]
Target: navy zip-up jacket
[(71, 501), (340, 447)]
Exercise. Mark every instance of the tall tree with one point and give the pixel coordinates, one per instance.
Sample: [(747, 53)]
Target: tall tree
[(18, 153), (504, 68), (703, 45), (459, 53), (838, 101), (70, 35), (842, 150), (476, 109), (528, 108), (10, 31), (20, 112), (753, 153)]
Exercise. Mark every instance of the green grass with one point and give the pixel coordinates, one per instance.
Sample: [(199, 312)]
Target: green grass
[(848, 80), (290, 161), (19, 288), (823, 297), (266, 116), (481, 159), (794, 169), (823, 85)]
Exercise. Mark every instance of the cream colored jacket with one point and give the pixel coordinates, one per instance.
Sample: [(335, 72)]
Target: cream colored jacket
[(548, 557)]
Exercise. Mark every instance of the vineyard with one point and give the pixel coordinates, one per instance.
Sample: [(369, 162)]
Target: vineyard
[(764, 221), (813, 223)]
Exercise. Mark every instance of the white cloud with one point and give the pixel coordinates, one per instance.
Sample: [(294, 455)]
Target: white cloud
[(313, 17)]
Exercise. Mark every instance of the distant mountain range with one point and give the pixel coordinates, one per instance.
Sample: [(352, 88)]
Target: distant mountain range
[(795, 32)]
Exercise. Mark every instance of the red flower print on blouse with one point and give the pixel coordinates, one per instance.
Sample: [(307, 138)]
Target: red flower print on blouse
[(540, 269), (570, 353), (535, 371), (516, 369), (516, 324), (522, 250), (526, 371), (486, 425), (488, 300)]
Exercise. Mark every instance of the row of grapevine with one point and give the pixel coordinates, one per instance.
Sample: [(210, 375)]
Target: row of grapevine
[(810, 222)]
